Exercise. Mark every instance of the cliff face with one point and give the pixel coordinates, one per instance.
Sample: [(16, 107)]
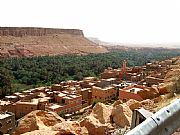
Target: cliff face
[(28, 31), (28, 42)]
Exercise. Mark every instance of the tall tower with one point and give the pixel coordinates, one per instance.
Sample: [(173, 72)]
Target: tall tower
[(124, 67), (123, 71)]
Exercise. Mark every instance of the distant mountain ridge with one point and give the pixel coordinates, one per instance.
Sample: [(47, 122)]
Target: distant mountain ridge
[(134, 45), (32, 41)]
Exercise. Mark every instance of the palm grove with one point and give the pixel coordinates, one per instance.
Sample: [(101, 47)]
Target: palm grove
[(17, 74)]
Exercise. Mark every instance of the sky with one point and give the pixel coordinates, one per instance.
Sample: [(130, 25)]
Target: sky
[(123, 21)]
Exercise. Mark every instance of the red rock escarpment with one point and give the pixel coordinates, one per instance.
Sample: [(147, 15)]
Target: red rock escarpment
[(28, 42), (32, 31)]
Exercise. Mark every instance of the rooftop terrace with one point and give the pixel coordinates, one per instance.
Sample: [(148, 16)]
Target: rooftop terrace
[(4, 115)]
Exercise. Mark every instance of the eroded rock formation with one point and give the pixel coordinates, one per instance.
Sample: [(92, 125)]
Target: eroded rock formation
[(48, 123), (32, 31), (28, 42)]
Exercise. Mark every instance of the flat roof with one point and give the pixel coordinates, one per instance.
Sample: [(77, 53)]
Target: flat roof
[(11, 96), (56, 85), (32, 102), (135, 90), (42, 94), (90, 77), (49, 92), (107, 88), (55, 106), (61, 94), (65, 92), (27, 91), (4, 115), (110, 79), (67, 97), (43, 99), (91, 83), (74, 96), (40, 88), (4, 102), (23, 95), (72, 88), (85, 89), (17, 93)]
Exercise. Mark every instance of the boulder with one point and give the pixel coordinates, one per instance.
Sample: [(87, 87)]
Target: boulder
[(121, 115), (68, 127), (93, 126), (172, 81), (162, 89), (170, 86), (49, 118), (117, 103), (43, 132), (102, 112), (48, 123), (147, 102), (133, 104), (171, 75), (37, 120), (27, 124), (158, 99)]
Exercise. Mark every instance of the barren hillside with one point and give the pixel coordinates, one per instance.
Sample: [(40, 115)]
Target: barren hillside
[(19, 42)]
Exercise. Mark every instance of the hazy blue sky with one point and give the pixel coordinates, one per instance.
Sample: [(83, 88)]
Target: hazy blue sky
[(124, 21)]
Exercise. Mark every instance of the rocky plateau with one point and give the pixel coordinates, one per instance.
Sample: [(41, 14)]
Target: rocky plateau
[(28, 42)]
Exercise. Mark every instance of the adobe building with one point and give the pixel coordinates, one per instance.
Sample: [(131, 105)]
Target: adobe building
[(11, 98), (87, 84), (90, 79), (43, 102), (155, 67), (103, 94), (65, 103), (110, 73), (55, 108), (7, 106), (86, 96), (7, 123), (138, 92), (131, 93), (106, 82), (166, 63), (134, 74), (153, 81), (56, 87), (26, 106)]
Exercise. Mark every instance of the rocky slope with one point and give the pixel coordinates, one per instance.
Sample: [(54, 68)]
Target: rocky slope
[(22, 41), (47, 123), (172, 79), (101, 120), (104, 119)]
